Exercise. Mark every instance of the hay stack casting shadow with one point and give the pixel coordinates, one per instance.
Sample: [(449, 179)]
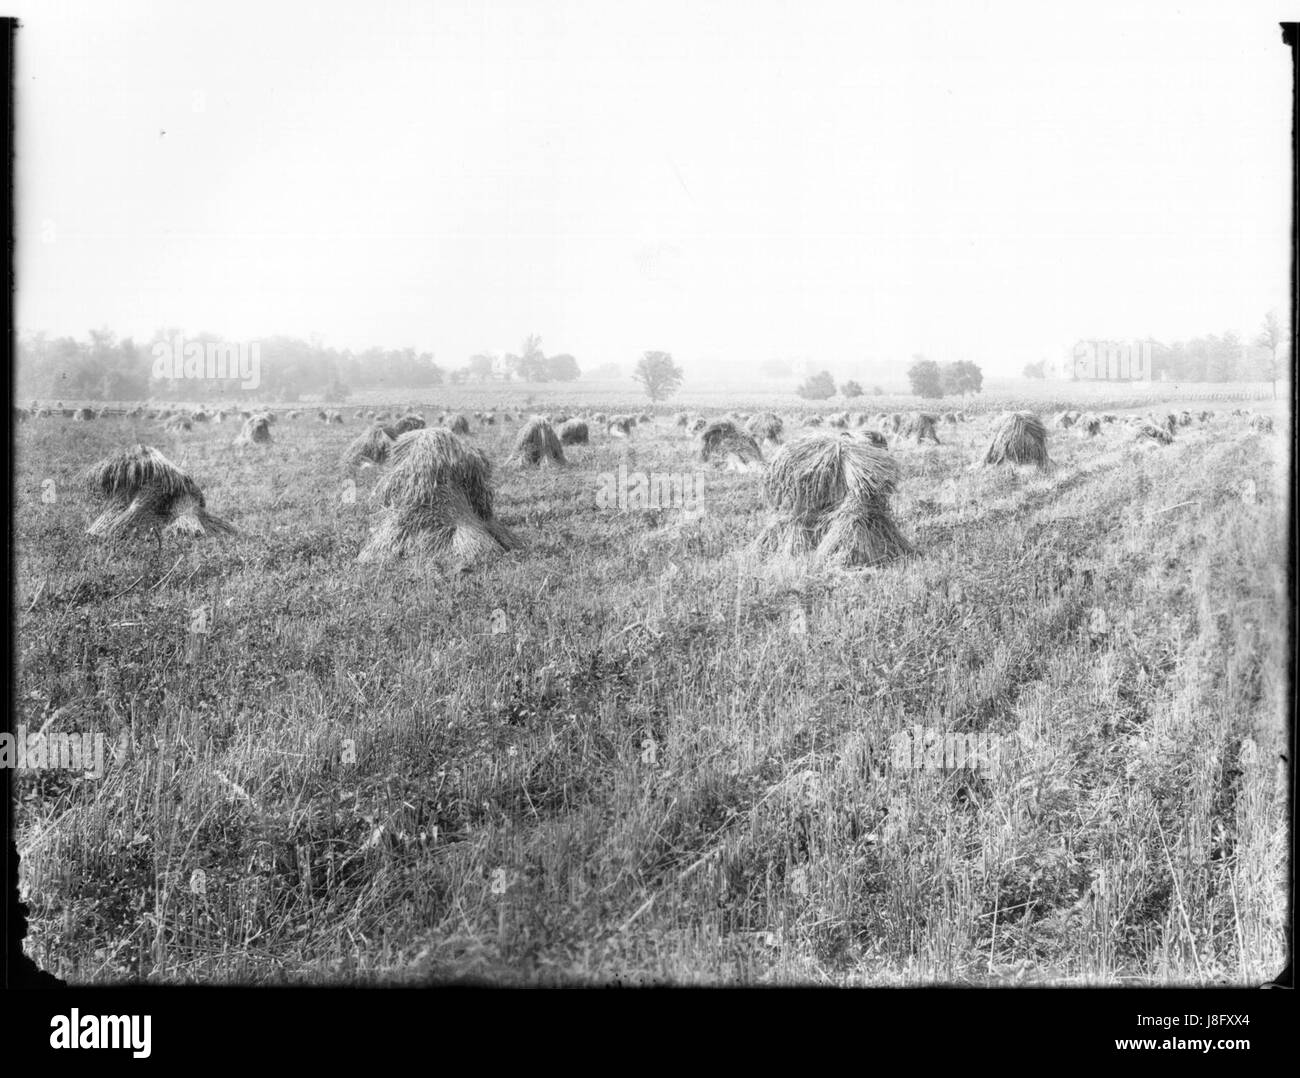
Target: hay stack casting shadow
[(1020, 438), (723, 439), (145, 491), (437, 502), (537, 443), (831, 493)]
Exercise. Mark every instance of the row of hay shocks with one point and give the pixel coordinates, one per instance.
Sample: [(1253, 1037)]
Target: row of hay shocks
[(830, 491)]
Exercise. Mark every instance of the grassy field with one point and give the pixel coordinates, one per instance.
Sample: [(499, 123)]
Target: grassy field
[(665, 759)]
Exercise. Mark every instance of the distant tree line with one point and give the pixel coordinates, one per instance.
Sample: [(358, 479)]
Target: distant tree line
[(1214, 357), (934, 380), (531, 364), (102, 367), (105, 368)]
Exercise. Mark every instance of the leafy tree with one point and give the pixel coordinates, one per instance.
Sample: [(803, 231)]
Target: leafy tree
[(562, 368), (819, 387), (925, 377), (481, 367), (1271, 337), (1035, 370), (876, 391), (851, 389), (530, 364), (961, 377), (1224, 358), (660, 376)]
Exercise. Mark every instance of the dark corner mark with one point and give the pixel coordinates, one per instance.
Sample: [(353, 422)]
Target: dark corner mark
[(1291, 38), (20, 971)]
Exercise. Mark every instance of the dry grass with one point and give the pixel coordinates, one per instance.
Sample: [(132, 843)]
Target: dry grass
[(647, 772)]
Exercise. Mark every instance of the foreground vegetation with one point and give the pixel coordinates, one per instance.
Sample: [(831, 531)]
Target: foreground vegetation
[(636, 751)]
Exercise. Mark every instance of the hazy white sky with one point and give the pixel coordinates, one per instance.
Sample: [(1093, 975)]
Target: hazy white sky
[(725, 181)]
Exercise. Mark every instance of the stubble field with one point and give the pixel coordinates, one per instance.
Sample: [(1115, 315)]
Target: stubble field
[(636, 751)]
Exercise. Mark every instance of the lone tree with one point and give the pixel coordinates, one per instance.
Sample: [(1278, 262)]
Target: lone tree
[(660, 376), (925, 377), (531, 364), (1035, 370), (819, 387), (851, 389), (1270, 337), (961, 378)]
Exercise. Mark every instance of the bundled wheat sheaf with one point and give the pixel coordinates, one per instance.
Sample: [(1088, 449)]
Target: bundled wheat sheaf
[(765, 426), (831, 495), (574, 432), (1090, 424), (256, 430), (459, 424), (437, 501), (1154, 432), (370, 447), (620, 426), (410, 421), (874, 437), (921, 426), (144, 491), (537, 443), (724, 439), (177, 423), (1020, 438), (82, 415), (1261, 423)]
